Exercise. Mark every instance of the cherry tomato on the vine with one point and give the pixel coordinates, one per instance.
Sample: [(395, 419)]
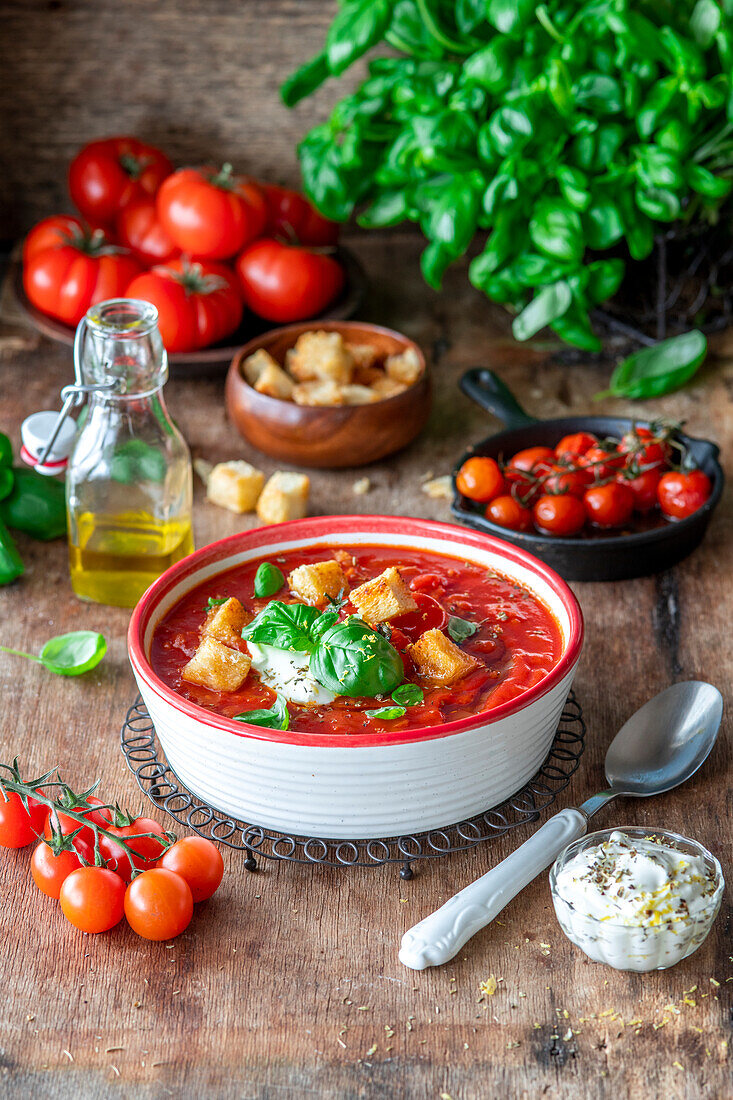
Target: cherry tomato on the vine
[(93, 899), (19, 826), (64, 824), (158, 904), (643, 448), (284, 283), (198, 861), (560, 515), (105, 175), (681, 493), (50, 871), (532, 457), (147, 849), (602, 463), (211, 214), (576, 444), (644, 488), (609, 505), (480, 479), (566, 479), (508, 512)]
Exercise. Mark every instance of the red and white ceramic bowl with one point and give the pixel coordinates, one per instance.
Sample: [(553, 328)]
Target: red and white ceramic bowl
[(367, 785)]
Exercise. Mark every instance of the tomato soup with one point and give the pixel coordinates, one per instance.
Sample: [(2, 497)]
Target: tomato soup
[(512, 638)]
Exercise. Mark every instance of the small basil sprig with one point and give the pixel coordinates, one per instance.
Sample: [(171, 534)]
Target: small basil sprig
[(215, 601), (408, 695), (461, 629), (386, 714), (68, 654), (284, 625), (268, 580), (352, 659), (656, 370), (276, 718)]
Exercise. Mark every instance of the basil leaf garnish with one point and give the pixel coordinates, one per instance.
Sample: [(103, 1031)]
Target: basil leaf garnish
[(352, 659), (268, 580), (284, 625), (461, 629), (276, 718), (215, 601), (323, 623), (386, 714), (408, 695)]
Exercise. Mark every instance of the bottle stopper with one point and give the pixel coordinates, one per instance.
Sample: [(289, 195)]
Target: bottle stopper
[(40, 429)]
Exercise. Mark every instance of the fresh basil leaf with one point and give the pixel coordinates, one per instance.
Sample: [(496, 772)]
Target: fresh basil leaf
[(323, 623), (352, 659), (556, 230), (659, 204), (386, 714), (574, 186), (408, 695), (283, 625), (604, 279), (705, 22), (575, 328), (215, 601), (356, 28), (268, 580), (707, 184), (510, 16), (73, 654), (389, 208), (546, 306), (599, 93), (603, 225), (510, 129), (461, 629), (491, 66), (660, 369), (305, 80), (277, 717)]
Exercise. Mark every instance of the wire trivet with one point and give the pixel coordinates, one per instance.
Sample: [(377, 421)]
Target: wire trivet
[(159, 782)]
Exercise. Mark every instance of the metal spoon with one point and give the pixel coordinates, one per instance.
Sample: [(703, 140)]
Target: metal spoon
[(661, 746)]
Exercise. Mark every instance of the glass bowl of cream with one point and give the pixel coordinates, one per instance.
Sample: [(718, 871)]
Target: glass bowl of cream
[(636, 899)]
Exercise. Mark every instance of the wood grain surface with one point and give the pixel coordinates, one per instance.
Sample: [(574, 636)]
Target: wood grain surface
[(287, 983)]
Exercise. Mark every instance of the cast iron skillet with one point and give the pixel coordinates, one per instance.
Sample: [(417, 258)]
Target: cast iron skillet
[(598, 557)]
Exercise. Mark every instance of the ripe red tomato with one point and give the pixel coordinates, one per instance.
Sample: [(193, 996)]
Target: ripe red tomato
[(93, 899), (480, 479), (199, 862), (644, 488), (211, 214), (19, 826), (52, 233), (429, 615), (75, 272), (105, 175), (560, 515), (525, 469), (139, 229), (292, 217), (62, 823), (567, 479), (283, 283), (682, 493), (576, 444), (147, 850), (158, 904), (643, 448), (532, 457), (609, 505), (198, 303), (602, 463), (50, 871), (508, 512)]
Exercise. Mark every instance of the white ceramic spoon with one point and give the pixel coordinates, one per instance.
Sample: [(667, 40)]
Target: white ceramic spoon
[(660, 746)]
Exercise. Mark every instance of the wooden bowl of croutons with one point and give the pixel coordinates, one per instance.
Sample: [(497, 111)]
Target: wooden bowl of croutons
[(332, 393)]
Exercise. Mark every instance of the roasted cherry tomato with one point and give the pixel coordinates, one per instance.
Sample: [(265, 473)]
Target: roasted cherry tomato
[(60, 822), (158, 904), (292, 217), (139, 229), (147, 849), (602, 463), (93, 899), (198, 861), (566, 479), (508, 512), (19, 826), (644, 488), (525, 471), (429, 615), (283, 283), (480, 479), (609, 505), (75, 272), (105, 175), (682, 493), (49, 871), (211, 214), (576, 444), (198, 303), (643, 448), (560, 515)]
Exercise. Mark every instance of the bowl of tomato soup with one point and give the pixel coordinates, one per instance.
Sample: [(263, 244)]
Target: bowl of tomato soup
[(356, 676)]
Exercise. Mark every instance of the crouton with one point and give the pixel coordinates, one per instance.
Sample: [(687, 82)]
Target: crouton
[(235, 485), (225, 623), (256, 364), (382, 598), (318, 392), (404, 367), (366, 370), (438, 660), (284, 497), (320, 355), (387, 387), (217, 667), (313, 583), (274, 382), (357, 395)]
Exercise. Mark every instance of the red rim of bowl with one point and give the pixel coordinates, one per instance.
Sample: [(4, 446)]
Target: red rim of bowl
[(318, 527)]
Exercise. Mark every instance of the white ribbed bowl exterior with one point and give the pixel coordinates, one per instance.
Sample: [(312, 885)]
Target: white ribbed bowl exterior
[(353, 791)]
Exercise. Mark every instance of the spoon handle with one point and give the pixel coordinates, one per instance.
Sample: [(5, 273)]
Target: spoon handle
[(442, 934)]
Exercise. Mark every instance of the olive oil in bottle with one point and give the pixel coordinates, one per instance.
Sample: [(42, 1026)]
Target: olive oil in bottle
[(128, 482)]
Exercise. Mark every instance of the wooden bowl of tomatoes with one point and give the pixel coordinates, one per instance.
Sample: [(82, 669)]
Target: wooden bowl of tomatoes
[(595, 497)]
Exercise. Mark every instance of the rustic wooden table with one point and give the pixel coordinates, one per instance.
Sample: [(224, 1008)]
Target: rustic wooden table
[(287, 983)]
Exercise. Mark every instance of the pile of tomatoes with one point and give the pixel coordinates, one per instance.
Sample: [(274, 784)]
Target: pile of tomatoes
[(201, 244), (585, 481), (126, 866)]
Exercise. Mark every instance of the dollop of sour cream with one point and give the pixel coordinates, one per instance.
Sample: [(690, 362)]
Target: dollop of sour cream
[(288, 673)]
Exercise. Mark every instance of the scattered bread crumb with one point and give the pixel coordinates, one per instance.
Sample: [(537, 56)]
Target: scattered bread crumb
[(360, 487), (439, 488)]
